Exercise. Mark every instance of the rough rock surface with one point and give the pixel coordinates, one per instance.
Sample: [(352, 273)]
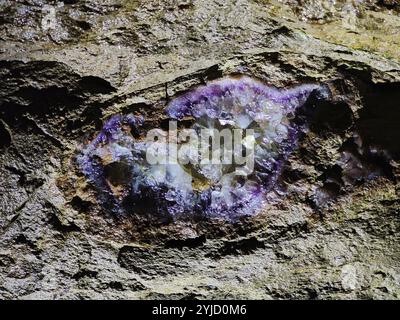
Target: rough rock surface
[(331, 232)]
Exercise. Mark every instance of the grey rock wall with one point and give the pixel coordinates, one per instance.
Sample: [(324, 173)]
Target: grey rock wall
[(67, 66)]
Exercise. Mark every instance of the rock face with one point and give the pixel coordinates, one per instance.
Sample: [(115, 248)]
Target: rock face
[(328, 230)]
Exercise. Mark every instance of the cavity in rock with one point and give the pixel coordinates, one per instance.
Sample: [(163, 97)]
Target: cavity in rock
[(187, 189)]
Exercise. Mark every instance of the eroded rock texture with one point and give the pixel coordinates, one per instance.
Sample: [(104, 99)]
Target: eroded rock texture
[(327, 229)]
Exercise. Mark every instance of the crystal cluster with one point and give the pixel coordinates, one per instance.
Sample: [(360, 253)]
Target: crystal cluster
[(116, 160)]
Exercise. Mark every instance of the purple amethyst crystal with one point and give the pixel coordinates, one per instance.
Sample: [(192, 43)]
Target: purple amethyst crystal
[(118, 164)]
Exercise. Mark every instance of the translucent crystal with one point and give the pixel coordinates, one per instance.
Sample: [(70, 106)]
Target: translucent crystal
[(188, 188)]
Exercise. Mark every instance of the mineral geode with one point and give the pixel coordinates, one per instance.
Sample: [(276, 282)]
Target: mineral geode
[(117, 160)]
